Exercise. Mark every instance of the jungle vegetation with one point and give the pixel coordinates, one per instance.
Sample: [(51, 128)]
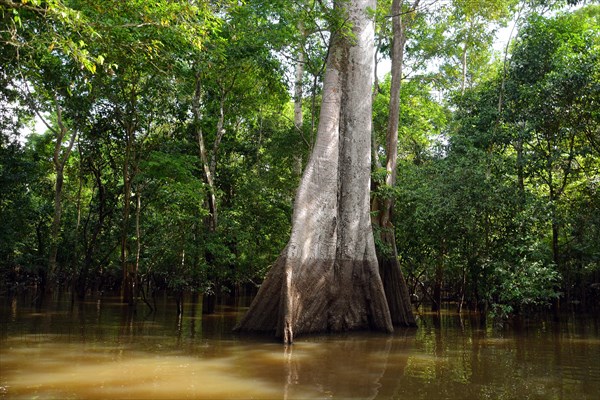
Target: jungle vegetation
[(151, 147)]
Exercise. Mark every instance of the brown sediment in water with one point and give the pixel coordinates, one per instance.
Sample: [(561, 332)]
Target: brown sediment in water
[(107, 352)]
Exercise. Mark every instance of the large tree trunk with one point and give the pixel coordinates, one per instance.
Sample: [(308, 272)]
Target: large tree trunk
[(326, 278), (396, 290)]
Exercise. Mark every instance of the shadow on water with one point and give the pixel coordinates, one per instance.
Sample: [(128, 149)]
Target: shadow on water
[(103, 349)]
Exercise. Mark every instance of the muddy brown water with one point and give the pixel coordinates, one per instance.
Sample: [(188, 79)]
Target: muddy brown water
[(101, 350)]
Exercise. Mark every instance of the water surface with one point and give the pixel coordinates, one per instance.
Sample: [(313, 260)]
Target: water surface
[(100, 349)]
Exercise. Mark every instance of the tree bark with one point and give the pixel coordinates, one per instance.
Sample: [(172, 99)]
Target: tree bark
[(59, 159), (326, 278), (298, 80), (133, 149), (394, 282), (436, 304), (298, 95), (138, 236), (127, 286), (209, 165), (463, 62)]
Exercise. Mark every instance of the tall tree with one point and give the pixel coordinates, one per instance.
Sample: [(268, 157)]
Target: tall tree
[(326, 278), (393, 280), (51, 70)]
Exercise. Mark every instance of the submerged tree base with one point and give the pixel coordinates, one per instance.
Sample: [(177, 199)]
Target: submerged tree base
[(394, 283), (327, 278), (396, 292), (318, 296)]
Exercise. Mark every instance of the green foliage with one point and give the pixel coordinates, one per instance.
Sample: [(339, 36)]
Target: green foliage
[(497, 196), (422, 119), (122, 74), (492, 214)]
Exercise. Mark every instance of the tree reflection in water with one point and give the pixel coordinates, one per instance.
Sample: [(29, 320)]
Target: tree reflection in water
[(103, 349)]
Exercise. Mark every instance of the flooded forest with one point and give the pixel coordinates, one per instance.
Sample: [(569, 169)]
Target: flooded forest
[(406, 190)]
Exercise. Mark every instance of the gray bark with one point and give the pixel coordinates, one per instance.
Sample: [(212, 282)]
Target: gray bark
[(208, 166), (327, 279), (396, 289), (298, 95)]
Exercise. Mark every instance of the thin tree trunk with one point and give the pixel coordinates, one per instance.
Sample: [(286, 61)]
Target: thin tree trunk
[(138, 237), (208, 166), (463, 82), (298, 95), (461, 294), (59, 158), (436, 304), (127, 284), (520, 169), (55, 230), (398, 42), (505, 63), (326, 278), (375, 92), (76, 282), (299, 76), (553, 195), (130, 169)]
